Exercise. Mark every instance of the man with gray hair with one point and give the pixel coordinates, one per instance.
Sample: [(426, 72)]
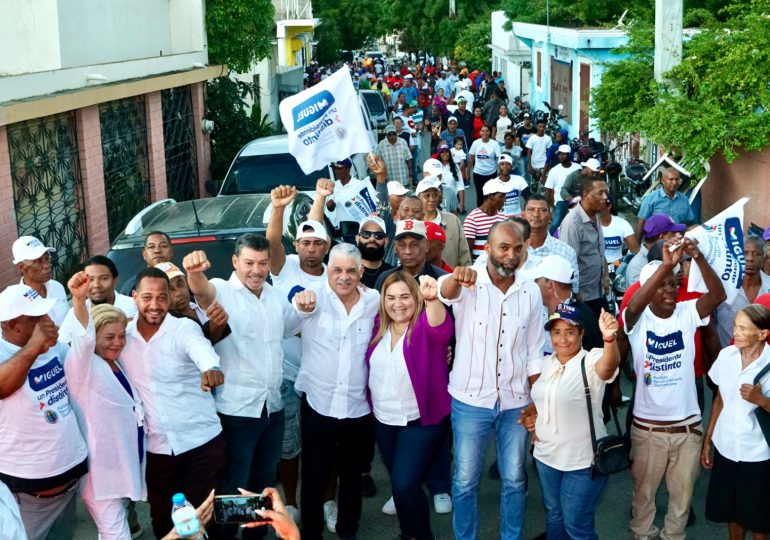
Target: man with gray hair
[(336, 324), (250, 406)]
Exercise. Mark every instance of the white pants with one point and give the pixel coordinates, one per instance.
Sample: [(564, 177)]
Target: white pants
[(110, 517), (48, 518)]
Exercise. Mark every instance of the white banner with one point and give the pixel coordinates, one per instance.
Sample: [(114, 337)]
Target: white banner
[(324, 123), (720, 240)]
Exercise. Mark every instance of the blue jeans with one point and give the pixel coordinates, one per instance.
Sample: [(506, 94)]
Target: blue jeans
[(570, 499), (523, 166), (472, 426), (408, 452), (559, 213)]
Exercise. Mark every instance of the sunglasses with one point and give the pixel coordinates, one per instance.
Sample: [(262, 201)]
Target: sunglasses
[(366, 235)]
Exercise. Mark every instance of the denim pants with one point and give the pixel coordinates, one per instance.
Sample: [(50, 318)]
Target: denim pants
[(559, 213), (407, 452), (253, 451), (472, 426), (570, 499)]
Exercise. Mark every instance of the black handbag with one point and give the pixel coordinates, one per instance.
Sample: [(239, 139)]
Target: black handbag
[(763, 417), (610, 452)]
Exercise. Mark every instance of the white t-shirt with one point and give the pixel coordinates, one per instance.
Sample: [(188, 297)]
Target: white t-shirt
[(614, 237), (538, 145), (292, 276), (512, 206), (458, 156), (486, 156), (737, 434), (556, 177), (55, 290), (448, 179), (503, 126), (664, 361), (562, 427), (393, 399)]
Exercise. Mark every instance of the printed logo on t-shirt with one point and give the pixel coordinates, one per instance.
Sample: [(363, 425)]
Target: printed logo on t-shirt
[(483, 153), (50, 387), (663, 359), (611, 242)]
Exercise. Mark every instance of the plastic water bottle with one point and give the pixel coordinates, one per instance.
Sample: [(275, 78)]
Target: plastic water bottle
[(185, 519)]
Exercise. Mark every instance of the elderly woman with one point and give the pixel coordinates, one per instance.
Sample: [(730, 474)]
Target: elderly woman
[(559, 418), (110, 416), (738, 491), (408, 380)]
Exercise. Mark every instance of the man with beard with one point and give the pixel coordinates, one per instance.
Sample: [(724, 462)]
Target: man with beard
[(490, 386), (173, 368), (371, 241), (336, 325)]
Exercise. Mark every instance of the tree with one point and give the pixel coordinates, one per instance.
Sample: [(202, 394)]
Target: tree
[(472, 47), (239, 32)]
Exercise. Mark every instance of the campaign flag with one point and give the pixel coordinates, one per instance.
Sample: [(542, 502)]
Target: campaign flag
[(720, 240), (324, 123), (361, 204)]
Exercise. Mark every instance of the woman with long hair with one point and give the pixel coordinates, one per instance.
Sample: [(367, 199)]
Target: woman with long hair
[(408, 380), (452, 180)]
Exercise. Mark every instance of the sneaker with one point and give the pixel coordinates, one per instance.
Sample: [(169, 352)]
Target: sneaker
[(293, 511), (389, 507), (442, 503), (368, 487), (330, 515), (136, 532)]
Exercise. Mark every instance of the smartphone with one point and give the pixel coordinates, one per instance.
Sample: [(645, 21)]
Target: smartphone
[(234, 509)]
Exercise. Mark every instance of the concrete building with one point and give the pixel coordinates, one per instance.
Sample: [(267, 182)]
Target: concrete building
[(566, 64), (100, 114), (511, 57)]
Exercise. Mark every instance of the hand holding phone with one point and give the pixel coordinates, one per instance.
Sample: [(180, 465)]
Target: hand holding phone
[(236, 509)]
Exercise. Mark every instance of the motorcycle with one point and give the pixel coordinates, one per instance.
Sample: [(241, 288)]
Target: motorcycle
[(635, 184)]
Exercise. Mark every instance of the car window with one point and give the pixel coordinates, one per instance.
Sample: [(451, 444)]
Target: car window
[(260, 174), (375, 104)]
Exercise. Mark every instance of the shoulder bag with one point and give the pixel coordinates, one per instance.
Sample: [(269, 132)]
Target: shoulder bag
[(763, 417), (610, 453)]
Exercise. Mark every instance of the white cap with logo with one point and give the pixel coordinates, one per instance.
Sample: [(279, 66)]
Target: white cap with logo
[(410, 226), (396, 188), (505, 158), (553, 267), (29, 248), (19, 300), (429, 182), (311, 229), (496, 186), (170, 269), (373, 219), (433, 167)]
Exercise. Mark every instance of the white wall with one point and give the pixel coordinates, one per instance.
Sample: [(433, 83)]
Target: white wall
[(29, 36)]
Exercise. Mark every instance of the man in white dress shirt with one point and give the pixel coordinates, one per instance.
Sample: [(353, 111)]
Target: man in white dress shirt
[(336, 324), (173, 367), (499, 332), (249, 405)]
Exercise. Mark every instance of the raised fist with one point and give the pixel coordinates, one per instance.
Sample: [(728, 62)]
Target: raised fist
[(465, 276), (78, 285), (196, 261), (44, 336), (282, 196), (305, 300), (428, 288), (324, 187)]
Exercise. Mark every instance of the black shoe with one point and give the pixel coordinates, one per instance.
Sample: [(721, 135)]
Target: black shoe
[(690, 518), (494, 471), (368, 487)]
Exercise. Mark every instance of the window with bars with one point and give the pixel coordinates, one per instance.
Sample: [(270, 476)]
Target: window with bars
[(179, 143)]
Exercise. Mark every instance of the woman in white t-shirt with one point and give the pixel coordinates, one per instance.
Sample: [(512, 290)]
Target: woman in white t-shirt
[(453, 187), (618, 234), (738, 491), (559, 418), (503, 125), (482, 161)]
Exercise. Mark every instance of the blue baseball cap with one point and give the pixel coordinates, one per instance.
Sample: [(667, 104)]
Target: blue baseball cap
[(564, 312)]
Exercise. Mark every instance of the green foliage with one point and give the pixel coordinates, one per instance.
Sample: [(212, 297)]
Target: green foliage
[(472, 47), (233, 126), (239, 32), (720, 98), (577, 13)]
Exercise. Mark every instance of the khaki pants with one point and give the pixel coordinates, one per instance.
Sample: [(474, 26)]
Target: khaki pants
[(655, 456)]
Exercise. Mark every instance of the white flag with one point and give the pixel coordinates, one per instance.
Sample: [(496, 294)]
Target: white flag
[(324, 123), (720, 240)]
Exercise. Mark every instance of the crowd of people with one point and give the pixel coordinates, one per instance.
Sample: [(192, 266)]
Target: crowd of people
[(411, 331)]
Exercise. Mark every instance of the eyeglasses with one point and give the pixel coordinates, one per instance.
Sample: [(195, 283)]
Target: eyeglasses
[(366, 235)]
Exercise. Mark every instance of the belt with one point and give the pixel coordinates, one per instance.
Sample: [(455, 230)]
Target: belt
[(671, 429), (64, 489)]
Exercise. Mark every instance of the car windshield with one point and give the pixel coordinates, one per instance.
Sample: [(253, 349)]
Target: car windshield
[(260, 174), (375, 103)]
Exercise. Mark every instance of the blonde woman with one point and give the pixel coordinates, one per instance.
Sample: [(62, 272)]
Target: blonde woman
[(408, 380), (110, 417)]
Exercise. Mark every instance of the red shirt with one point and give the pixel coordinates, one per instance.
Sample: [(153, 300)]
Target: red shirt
[(682, 296), (478, 123)]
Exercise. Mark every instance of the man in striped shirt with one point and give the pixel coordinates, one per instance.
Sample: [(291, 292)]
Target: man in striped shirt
[(480, 220)]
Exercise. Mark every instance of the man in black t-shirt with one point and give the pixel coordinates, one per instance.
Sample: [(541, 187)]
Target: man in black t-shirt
[(371, 240), (523, 132)]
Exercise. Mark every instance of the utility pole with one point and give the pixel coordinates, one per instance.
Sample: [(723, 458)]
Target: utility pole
[(668, 36)]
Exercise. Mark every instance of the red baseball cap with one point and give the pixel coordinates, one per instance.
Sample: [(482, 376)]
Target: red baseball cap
[(435, 231)]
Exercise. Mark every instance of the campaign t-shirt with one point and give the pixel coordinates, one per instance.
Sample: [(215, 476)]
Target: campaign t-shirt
[(354, 201), (503, 126), (664, 361), (556, 177), (539, 145), (486, 156), (614, 238), (512, 206)]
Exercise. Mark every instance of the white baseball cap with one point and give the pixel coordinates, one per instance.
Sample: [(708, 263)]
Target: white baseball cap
[(410, 226), (553, 267), (311, 229), (429, 182), (433, 167), (505, 158), (649, 269), (29, 248), (565, 149), (496, 186), (18, 300), (373, 219), (592, 164), (171, 270), (451, 119), (396, 188)]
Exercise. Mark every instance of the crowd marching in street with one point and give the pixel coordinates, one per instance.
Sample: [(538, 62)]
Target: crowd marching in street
[(439, 321)]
